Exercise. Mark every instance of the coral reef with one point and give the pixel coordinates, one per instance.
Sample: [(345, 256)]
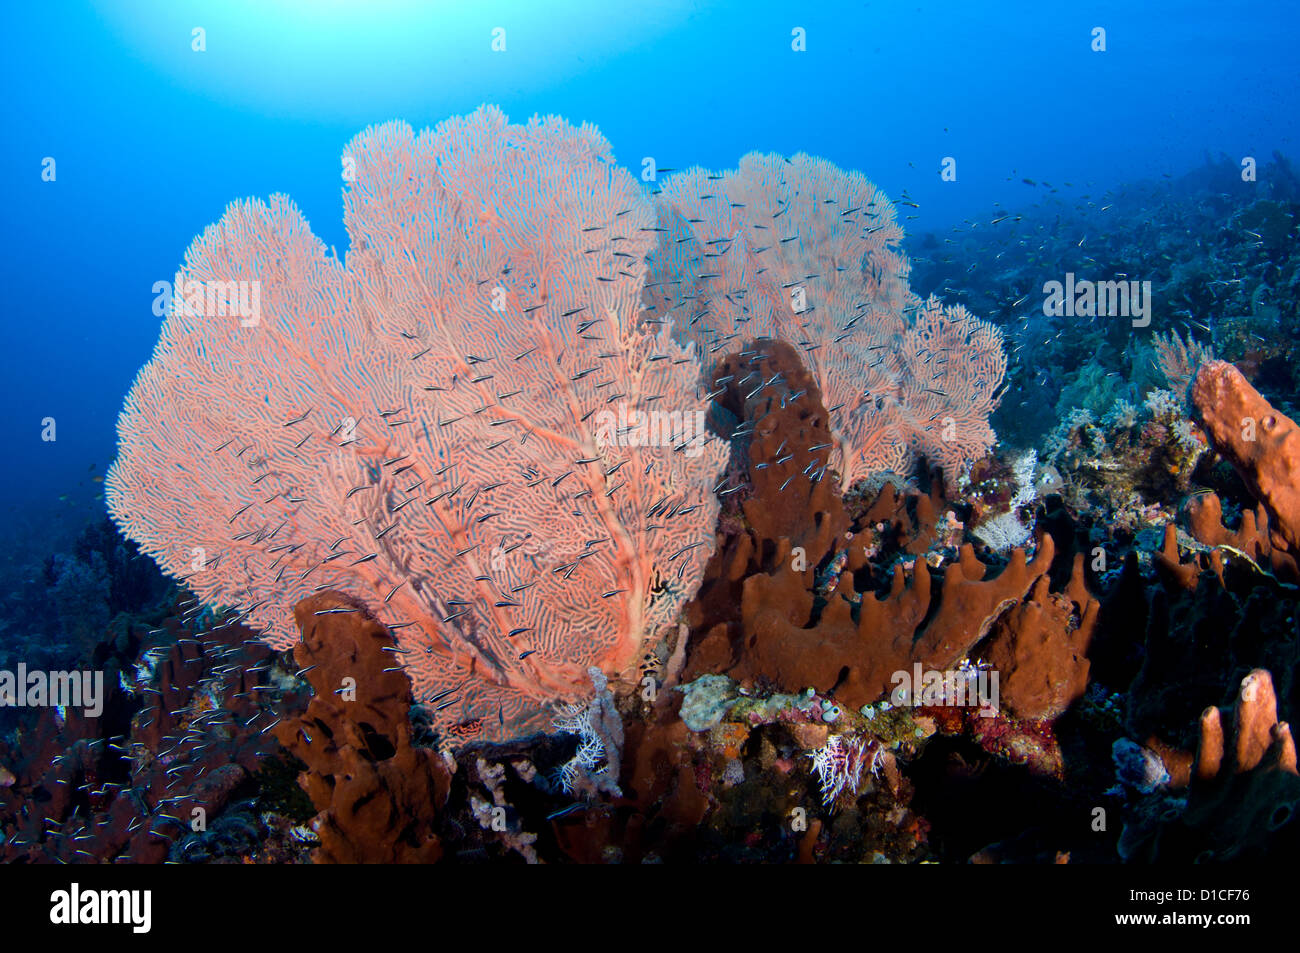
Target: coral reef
[(466, 424), (1195, 237), (765, 617), (775, 727), (628, 528), (1134, 464)]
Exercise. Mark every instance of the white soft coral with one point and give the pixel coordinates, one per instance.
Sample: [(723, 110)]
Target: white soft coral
[(839, 765), (594, 766)]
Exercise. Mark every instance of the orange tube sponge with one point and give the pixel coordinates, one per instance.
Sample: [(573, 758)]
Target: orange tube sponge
[(1262, 444)]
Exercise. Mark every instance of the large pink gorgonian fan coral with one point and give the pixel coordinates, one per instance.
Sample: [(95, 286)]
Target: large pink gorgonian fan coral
[(428, 425), (801, 250)]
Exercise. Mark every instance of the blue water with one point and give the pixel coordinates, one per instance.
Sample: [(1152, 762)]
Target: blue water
[(153, 139)]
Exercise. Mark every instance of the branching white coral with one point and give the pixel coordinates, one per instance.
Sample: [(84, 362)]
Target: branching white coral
[(1122, 416), (1162, 403), (839, 765), (595, 765), (1006, 530)]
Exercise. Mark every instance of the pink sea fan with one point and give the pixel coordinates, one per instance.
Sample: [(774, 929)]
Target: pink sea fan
[(421, 425), (801, 250)]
